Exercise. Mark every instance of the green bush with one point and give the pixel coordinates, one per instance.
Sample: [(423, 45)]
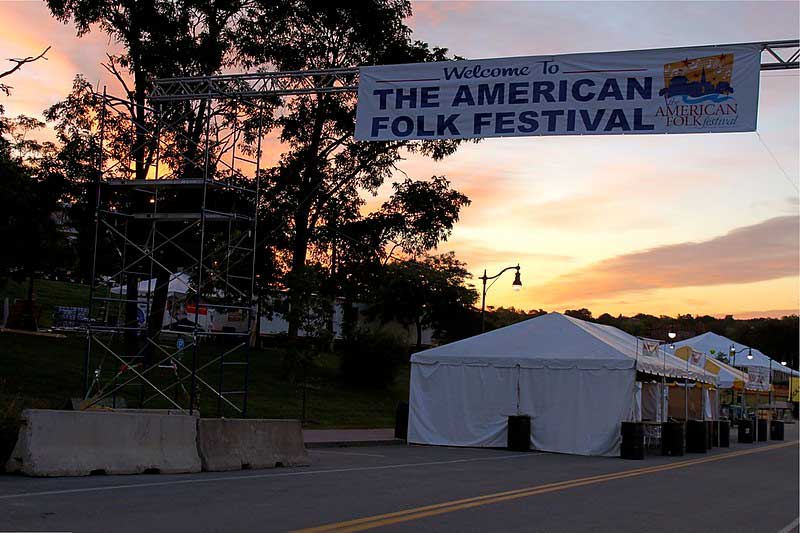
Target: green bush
[(372, 359)]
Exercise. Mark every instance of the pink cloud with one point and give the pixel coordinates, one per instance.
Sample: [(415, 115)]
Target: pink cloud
[(764, 251)]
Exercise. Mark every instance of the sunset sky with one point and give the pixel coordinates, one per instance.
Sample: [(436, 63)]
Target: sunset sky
[(700, 224)]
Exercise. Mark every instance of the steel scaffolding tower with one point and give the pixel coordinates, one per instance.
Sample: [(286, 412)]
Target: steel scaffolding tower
[(177, 238)]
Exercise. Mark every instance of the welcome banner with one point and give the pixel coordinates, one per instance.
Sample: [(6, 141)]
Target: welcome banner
[(676, 90)]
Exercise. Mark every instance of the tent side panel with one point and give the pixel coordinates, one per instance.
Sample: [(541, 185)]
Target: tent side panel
[(460, 405), (577, 411)]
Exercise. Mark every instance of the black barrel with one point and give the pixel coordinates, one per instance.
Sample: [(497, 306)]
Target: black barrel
[(696, 436), (745, 431), (519, 433), (401, 421), (724, 434), (776, 430), (763, 430), (715, 433), (672, 438), (632, 446)]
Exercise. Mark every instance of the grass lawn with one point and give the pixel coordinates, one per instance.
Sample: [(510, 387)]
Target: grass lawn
[(48, 294), (42, 372)]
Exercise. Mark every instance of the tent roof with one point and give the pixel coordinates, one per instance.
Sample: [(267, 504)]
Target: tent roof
[(556, 341), (711, 341), (179, 283)]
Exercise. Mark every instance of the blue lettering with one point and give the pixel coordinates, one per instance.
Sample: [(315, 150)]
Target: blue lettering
[(421, 131), (517, 93), (504, 122), (528, 118), (378, 124), (591, 125), (576, 90), (448, 124), (645, 92), (496, 96), (479, 121), (543, 88), (410, 98), (617, 120), (383, 95), (463, 95), (429, 97), (552, 115), (409, 126), (638, 125), (610, 90)]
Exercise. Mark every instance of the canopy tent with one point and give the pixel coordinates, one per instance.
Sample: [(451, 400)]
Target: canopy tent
[(721, 346), (576, 380), (728, 376), (650, 355), (179, 285)]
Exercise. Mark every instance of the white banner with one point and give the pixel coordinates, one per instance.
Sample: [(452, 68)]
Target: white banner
[(675, 90), (759, 378)]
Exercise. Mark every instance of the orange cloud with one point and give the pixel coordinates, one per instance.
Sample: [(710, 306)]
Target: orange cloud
[(764, 251)]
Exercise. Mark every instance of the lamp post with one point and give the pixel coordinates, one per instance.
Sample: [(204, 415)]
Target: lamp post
[(734, 351), (664, 390), (789, 397), (516, 285)]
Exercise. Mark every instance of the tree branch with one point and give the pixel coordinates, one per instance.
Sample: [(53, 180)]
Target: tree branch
[(23, 61), (19, 62)]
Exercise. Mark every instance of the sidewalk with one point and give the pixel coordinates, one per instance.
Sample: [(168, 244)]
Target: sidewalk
[(332, 438)]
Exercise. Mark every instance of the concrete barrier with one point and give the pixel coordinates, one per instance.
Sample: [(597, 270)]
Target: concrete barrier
[(234, 444), (79, 443)]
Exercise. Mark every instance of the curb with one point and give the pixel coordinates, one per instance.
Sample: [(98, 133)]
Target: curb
[(355, 443)]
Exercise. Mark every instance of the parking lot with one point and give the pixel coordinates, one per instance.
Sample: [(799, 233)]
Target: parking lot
[(748, 487)]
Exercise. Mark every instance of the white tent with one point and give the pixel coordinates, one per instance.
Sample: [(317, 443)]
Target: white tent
[(179, 285), (576, 380), (721, 345)]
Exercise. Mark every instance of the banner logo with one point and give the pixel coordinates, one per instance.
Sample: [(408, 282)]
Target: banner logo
[(698, 93)]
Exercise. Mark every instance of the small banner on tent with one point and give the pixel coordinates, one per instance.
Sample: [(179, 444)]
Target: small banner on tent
[(676, 90), (759, 378), (650, 347), (794, 389)]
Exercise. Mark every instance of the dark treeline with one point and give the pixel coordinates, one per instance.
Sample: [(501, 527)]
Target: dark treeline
[(317, 242)]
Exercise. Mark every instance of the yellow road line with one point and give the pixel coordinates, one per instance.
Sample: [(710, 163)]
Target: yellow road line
[(369, 522)]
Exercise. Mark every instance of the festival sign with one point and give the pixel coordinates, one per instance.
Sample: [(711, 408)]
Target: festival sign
[(676, 90)]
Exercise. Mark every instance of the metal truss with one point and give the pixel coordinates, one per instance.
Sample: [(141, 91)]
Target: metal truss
[(191, 221), (257, 84), (776, 55), (780, 55)]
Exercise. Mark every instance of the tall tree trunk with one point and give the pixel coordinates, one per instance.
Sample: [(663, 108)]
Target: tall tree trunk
[(30, 320), (299, 254), (155, 318), (311, 179), (131, 311)]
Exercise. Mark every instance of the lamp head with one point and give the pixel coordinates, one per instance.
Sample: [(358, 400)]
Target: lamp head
[(517, 285), (783, 363), (750, 356), (672, 334)]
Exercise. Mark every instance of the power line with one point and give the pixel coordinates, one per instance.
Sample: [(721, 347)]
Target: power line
[(783, 171)]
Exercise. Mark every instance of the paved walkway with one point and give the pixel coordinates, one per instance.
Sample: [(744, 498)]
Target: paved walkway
[(343, 437)]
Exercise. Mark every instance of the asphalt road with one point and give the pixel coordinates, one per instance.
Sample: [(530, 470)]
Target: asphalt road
[(748, 487)]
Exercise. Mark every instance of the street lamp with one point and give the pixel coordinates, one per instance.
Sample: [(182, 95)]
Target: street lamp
[(516, 286), (733, 351)]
